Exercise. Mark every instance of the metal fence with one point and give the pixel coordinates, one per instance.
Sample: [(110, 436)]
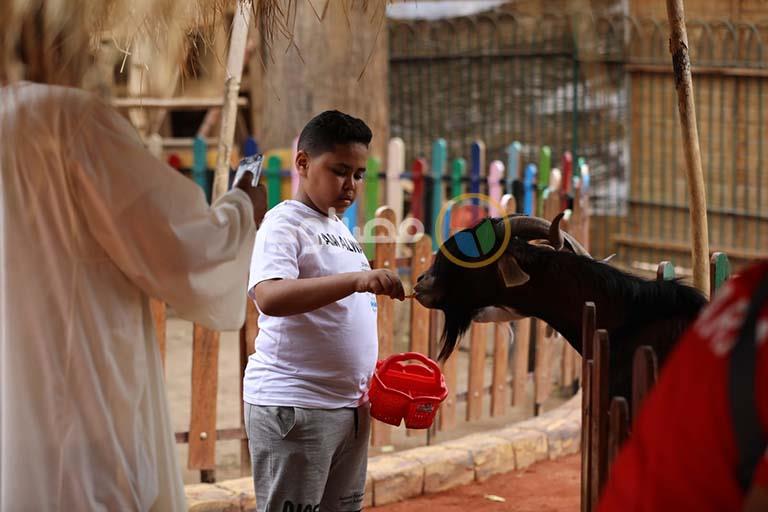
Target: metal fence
[(602, 88)]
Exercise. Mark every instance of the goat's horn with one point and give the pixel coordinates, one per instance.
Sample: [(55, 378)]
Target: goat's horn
[(555, 235), (535, 227)]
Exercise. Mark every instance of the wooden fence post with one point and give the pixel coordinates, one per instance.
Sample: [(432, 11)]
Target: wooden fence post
[(439, 157), (385, 258), (272, 173), (619, 428), (457, 174), (599, 409), (448, 408), (417, 197), (644, 374), (542, 374), (587, 374), (568, 367), (720, 271), (420, 316), (520, 360), (495, 187), (566, 165), (372, 199), (200, 164), (514, 166), (420, 263), (529, 190), (477, 165), (202, 424), (499, 385), (665, 271), (475, 390), (395, 167), (545, 166)]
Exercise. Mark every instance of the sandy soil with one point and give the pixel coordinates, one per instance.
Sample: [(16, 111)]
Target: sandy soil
[(551, 486)]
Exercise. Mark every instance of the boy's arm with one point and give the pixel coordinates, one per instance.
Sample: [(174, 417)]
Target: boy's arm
[(284, 297)]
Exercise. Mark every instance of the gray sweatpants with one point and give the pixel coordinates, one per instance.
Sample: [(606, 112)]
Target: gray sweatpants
[(308, 460)]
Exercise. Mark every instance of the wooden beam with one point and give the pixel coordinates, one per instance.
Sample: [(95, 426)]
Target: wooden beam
[(172, 103), (235, 62), (685, 247), (666, 69)]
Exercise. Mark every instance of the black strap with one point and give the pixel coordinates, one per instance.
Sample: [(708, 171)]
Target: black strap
[(750, 437)]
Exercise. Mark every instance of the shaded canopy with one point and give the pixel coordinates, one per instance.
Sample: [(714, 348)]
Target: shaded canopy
[(55, 41)]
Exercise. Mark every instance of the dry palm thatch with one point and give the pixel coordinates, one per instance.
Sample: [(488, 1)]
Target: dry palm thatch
[(56, 41)]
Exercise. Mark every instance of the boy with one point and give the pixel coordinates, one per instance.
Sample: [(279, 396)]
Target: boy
[(305, 386)]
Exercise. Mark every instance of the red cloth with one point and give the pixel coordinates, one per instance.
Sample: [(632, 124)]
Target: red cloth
[(682, 452)]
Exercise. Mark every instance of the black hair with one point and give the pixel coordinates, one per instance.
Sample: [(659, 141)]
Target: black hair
[(324, 131)]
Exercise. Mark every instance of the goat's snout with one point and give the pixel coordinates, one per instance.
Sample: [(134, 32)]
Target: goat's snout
[(423, 285), (425, 291)]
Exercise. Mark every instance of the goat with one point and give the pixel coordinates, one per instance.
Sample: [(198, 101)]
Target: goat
[(545, 274)]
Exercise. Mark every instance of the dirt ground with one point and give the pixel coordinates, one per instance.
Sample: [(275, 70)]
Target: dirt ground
[(551, 486)]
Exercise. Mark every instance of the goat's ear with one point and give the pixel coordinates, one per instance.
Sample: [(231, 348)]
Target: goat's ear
[(511, 272)]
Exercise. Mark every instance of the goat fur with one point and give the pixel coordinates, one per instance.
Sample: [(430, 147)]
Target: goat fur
[(634, 311)]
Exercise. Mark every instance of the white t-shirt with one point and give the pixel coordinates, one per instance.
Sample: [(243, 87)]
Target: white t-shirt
[(322, 359)]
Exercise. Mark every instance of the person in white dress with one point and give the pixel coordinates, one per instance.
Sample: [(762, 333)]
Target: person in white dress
[(91, 227)]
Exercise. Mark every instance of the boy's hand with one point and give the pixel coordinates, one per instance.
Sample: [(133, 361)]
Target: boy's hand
[(258, 197), (381, 282)]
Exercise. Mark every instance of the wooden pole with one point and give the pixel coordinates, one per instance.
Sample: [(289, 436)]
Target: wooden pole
[(205, 351), (678, 47), (235, 62)]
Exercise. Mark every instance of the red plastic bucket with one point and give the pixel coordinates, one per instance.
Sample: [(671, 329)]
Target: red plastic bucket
[(410, 392)]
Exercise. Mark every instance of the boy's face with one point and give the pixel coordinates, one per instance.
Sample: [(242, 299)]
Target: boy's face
[(330, 179)]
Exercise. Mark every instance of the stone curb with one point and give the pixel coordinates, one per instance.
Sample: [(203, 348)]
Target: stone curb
[(431, 469)]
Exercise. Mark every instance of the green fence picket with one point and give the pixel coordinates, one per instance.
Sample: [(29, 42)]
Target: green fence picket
[(274, 166)]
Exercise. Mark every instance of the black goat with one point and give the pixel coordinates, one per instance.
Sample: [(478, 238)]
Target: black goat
[(535, 279)]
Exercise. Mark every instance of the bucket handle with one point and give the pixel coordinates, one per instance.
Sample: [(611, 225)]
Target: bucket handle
[(405, 356)]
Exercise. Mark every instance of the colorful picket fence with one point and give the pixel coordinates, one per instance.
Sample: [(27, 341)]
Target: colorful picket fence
[(432, 183)]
